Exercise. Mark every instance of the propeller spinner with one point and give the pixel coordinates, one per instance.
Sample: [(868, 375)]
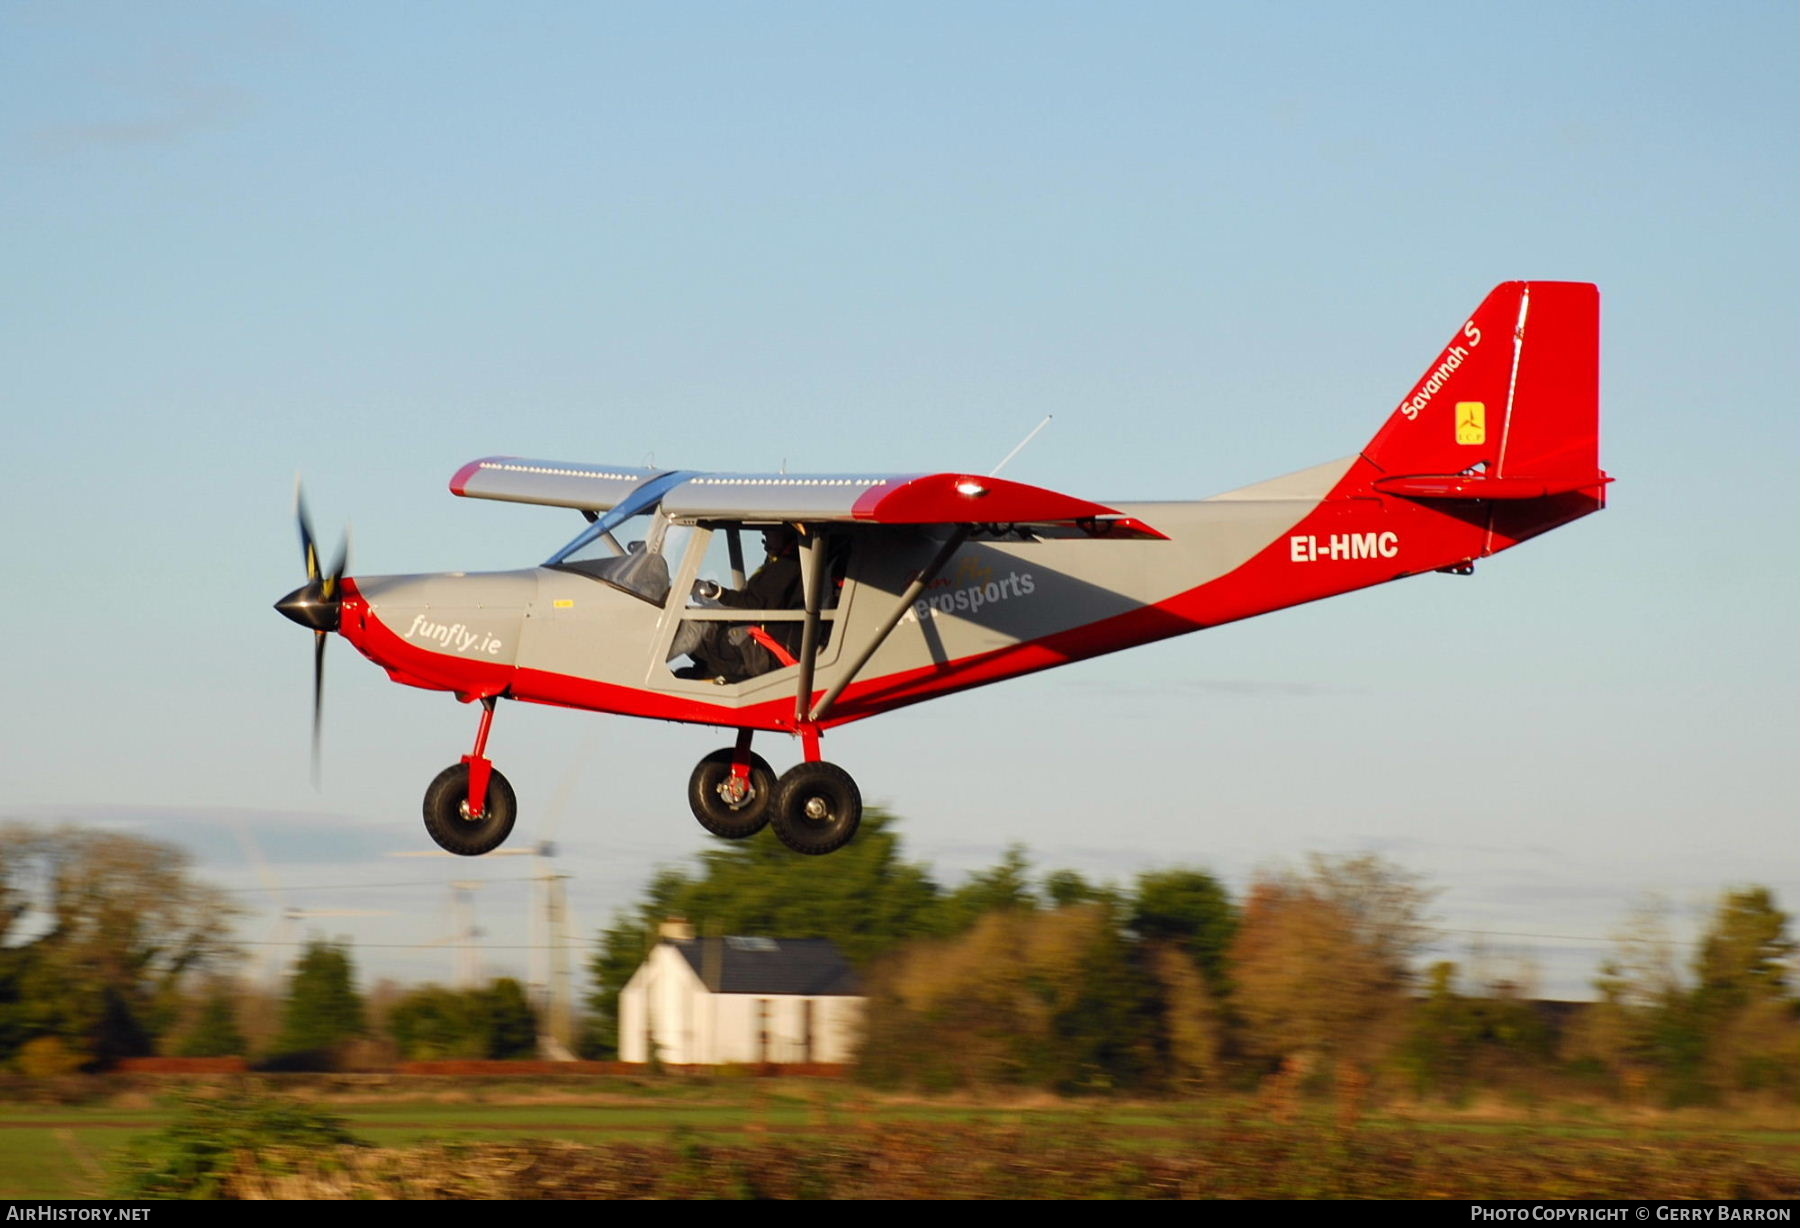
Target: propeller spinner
[(316, 605)]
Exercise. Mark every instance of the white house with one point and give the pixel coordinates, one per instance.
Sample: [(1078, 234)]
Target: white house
[(710, 1001)]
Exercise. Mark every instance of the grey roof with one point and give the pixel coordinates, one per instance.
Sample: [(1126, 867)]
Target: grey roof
[(810, 967)]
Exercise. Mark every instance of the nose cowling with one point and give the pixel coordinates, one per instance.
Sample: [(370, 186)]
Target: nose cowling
[(311, 608)]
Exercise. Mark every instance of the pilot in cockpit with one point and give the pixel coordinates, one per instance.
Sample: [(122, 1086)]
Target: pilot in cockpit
[(775, 585), (731, 652)]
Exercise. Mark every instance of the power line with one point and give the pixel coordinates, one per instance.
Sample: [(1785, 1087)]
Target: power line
[(1609, 940), (361, 886)]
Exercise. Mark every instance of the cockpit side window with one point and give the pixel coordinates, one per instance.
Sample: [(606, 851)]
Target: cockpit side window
[(763, 630)]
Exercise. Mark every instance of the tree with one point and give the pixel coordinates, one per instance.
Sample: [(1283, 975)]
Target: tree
[(1735, 1027), (1456, 1041), (1742, 1001), (97, 930), (214, 1031), (1438, 1048), (1746, 953), (433, 1023), (1640, 1030), (1321, 965), (323, 1012), (1044, 999), (1007, 885), (511, 1029), (863, 897), (1194, 1024), (1065, 887), (1191, 910)]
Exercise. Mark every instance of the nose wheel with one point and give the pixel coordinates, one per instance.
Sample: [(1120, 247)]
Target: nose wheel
[(452, 822), (469, 807)]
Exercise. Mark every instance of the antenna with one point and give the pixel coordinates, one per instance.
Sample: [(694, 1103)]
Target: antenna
[(1005, 460)]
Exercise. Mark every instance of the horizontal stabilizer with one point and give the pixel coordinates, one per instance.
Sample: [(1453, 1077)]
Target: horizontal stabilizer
[(1479, 486)]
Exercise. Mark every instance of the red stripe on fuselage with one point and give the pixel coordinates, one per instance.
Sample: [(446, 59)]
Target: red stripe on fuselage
[(1431, 537)]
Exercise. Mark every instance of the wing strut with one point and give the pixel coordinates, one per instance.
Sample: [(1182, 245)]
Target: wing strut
[(812, 586), (901, 606), (734, 545)]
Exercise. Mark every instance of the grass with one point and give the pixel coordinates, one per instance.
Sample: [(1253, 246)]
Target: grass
[(64, 1151), (57, 1163)]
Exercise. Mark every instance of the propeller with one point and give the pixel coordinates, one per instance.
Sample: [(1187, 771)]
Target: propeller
[(316, 605)]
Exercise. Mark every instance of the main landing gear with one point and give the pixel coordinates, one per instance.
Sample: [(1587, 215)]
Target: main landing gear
[(815, 807)]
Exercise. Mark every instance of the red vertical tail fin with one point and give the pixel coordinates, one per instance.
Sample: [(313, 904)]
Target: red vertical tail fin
[(1510, 409)]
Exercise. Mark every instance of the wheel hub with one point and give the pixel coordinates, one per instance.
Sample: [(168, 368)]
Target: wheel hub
[(816, 809), (734, 792)]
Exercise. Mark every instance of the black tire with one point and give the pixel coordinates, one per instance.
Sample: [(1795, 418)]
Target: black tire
[(817, 808), (446, 818), (720, 817)]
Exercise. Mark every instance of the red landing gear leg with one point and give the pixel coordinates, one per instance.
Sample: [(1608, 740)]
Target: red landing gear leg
[(731, 789), (480, 766), (469, 806), (736, 787), (817, 805)]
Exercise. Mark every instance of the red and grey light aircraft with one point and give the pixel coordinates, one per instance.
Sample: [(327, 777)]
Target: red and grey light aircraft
[(912, 586)]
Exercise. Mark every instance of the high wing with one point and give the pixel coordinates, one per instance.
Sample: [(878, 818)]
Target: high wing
[(894, 498), (889, 498), (590, 488)]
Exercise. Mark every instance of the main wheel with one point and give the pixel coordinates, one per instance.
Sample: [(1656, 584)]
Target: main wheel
[(817, 808), (726, 807), (447, 812)]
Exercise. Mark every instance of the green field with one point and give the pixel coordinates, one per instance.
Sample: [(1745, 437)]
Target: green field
[(1215, 1146)]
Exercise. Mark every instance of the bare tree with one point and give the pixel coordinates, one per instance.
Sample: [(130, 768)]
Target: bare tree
[(1322, 962), (97, 929)]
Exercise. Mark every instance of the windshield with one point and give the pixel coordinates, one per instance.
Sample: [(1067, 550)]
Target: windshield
[(627, 548), (640, 502), (613, 540)]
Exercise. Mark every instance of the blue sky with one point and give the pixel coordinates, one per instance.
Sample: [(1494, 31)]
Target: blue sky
[(370, 242)]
